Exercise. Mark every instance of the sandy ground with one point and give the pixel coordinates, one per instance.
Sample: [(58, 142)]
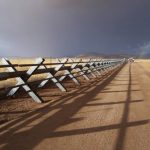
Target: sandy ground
[(109, 115)]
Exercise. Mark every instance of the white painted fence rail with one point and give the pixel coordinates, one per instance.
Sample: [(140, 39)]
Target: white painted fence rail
[(55, 72)]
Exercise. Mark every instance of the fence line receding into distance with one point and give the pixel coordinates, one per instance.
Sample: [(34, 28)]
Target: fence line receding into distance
[(56, 72)]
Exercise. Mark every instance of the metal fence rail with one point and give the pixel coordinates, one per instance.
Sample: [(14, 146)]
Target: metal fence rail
[(55, 72)]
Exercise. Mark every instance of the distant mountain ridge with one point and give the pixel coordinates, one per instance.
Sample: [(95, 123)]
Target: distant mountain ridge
[(100, 55)]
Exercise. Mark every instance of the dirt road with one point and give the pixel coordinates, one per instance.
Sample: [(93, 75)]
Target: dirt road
[(113, 115)]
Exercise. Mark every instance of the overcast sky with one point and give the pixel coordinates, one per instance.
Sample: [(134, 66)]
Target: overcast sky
[(30, 28)]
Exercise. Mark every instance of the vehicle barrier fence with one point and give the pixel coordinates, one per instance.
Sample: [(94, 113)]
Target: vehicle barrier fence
[(55, 72)]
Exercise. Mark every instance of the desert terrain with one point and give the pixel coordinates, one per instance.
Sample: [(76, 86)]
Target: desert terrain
[(111, 112)]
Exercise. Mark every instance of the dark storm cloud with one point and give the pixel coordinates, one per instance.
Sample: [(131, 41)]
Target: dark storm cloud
[(70, 27)]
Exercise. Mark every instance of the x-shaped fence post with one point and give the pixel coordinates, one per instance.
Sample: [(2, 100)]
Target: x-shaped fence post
[(79, 69), (94, 66), (70, 74), (84, 69), (111, 66), (97, 66), (52, 77), (88, 66), (22, 82), (100, 66), (104, 67)]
